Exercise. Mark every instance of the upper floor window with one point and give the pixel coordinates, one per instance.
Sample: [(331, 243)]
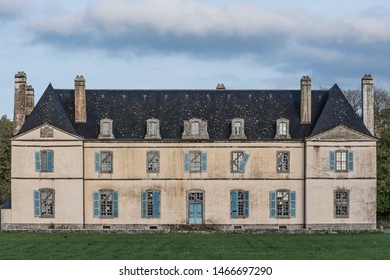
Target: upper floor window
[(151, 204), (152, 129), (239, 204), (152, 161), (44, 161), (341, 203), (105, 204), (238, 131), (195, 129), (283, 161), (44, 203), (106, 129), (195, 161), (282, 129), (282, 204), (341, 161), (103, 162), (239, 161)]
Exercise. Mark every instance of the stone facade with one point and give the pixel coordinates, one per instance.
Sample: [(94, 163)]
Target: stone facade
[(325, 181)]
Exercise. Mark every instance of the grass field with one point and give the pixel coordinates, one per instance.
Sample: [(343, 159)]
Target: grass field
[(190, 246)]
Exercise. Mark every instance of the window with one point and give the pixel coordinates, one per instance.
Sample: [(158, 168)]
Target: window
[(105, 204), (238, 129), (239, 204), (195, 129), (44, 203), (341, 203), (283, 161), (103, 162), (195, 161), (239, 161), (282, 129), (153, 161), (44, 161), (152, 129), (106, 129), (341, 161), (282, 204), (151, 204)]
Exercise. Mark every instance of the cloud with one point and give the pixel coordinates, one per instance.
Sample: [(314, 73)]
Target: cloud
[(11, 9), (290, 39)]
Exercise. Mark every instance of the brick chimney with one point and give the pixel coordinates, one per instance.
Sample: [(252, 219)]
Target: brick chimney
[(305, 100), (80, 106), (19, 101), (368, 102), (29, 99)]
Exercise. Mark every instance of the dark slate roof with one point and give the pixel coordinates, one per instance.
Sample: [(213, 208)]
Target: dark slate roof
[(337, 111), (129, 110)]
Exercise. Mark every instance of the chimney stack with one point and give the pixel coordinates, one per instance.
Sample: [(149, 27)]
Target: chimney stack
[(80, 114), (29, 99), (368, 102), (305, 100), (19, 101)]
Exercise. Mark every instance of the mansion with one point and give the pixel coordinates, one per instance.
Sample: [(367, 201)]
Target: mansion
[(143, 160)]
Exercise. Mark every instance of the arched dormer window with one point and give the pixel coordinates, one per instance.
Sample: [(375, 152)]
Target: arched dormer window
[(152, 129), (195, 129), (106, 129), (238, 131), (282, 129)]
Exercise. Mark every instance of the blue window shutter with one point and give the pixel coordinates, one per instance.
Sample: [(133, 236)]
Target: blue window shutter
[(97, 162), (96, 204), (37, 203), (350, 161), (246, 204), (186, 162), (292, 204), (245, 158), (49, 161), (331, 161), (37, 161), (204, 162), (143, 211), (234, 204), (156, 204), (272, 204), (115, 203)]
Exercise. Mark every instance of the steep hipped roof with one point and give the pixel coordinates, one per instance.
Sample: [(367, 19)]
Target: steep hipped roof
[(129, 110)]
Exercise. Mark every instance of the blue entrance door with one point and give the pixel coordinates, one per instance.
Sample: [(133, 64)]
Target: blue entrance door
[(195, 213)]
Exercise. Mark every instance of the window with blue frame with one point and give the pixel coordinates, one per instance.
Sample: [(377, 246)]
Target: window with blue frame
[(105, 204), (282, 204), (341, 161), (103, 162), (239, 204), (44, 203), (239, 161), (195, 161), (151, 204), (44, 161)]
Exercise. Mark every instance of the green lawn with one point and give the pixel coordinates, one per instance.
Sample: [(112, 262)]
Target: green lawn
[(187, 246)]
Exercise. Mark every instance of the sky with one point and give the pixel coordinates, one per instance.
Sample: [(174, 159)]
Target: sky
[(193, 44)]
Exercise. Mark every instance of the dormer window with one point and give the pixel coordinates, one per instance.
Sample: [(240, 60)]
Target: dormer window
[(195, 129), (106, 129), (238, 131), (282, 129), (152, 129)]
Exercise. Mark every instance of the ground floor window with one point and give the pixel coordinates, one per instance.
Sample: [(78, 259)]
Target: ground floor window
[(341, 203), (105, 204), (239, 204), (44, 203), (282, 204), (151, 204)]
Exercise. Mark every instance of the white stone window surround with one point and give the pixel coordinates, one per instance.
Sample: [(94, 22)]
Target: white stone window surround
[(152, 129), (282, 129), (238, 129), (106, 127)]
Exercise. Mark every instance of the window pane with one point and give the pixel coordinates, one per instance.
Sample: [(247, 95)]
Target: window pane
[(152, 129), (195, 128), (106, 203), (106, 128), (195, 161)]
